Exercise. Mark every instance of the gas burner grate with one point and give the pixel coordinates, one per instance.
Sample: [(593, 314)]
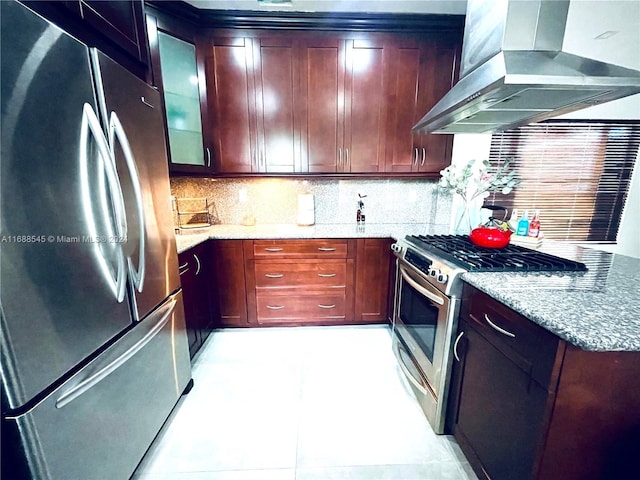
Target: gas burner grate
[(513, 258)]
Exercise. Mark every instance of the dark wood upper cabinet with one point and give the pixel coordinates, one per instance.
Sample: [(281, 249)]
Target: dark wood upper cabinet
[(365, 112), (177, 67), (117, 28), (292, 94), (276, 77), (423, 71), (231, 103), (121, 21), (322, 74)]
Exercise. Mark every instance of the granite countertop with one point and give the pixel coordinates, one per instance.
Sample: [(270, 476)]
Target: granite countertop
[(190, 238), (597, 310)]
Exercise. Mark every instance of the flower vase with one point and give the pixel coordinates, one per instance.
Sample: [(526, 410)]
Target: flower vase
[(468, 219), (463, 222)]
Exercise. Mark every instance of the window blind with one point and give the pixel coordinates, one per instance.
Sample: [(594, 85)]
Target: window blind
[(576, 173)]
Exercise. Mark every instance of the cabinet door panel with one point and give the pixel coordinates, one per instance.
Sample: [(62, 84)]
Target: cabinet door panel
[(438, 69), (231, 103), (122, 22), (364, 104), (403, 155), (372, 278), (501, 410), (229, 289), (275, 86), (322, 77)]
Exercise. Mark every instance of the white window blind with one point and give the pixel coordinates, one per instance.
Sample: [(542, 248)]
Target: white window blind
[(576, 173)]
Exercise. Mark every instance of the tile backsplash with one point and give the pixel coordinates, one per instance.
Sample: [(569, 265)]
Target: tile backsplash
[(275, 200)]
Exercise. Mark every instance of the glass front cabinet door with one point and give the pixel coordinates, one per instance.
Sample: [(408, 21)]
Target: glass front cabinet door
[(180, 85)]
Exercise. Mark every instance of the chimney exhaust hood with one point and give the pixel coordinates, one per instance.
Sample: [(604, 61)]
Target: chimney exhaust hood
[(514, 71)]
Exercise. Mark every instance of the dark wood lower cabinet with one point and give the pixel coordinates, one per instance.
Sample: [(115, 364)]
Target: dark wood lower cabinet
[(298, 282), (194, 277), (228, 289), (372, 279), (532, 406), (499, 431)]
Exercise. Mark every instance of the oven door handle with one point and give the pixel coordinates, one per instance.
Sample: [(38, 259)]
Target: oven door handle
[(420, 288), (406, 372)]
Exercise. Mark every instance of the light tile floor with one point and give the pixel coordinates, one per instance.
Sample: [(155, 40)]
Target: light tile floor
[(305, 403)]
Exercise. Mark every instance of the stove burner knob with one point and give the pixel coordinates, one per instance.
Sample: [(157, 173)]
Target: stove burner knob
[(442, 278), (396, 248), (433, 272)]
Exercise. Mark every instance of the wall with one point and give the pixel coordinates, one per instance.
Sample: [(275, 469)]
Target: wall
[(274, 200)]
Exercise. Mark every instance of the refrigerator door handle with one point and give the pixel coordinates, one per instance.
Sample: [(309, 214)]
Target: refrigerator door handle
[(91, 126), (110, 364), (117, 131)]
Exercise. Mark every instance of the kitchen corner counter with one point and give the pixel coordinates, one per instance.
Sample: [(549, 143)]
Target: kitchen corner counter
[(597, 310), (185, 241)]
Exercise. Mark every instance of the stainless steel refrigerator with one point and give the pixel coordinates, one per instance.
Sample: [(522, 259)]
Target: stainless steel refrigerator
[(93, 340)]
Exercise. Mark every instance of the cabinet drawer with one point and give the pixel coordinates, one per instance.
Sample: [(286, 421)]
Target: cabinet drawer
[(278, 308), (303, 274), (300, 249), (528, 345)]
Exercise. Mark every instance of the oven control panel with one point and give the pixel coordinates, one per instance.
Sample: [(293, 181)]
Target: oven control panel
[(436, 271)]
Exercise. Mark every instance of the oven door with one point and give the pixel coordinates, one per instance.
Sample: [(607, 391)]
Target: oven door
[(424, 321)]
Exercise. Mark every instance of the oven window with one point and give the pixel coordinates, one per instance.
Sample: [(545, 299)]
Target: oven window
[(420, 317)]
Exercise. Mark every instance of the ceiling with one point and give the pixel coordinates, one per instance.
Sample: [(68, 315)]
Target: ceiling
[(456, 7)]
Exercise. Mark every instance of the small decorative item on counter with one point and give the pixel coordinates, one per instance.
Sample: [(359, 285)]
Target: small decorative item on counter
[(248, 220), (360, 216), (523, 225), (193, 212), (534, 225)]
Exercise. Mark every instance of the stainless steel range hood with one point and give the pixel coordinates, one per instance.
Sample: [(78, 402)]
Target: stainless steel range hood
[(514, 71)]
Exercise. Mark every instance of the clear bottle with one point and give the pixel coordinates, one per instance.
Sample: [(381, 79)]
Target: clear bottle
[(534, 225), (523, 225), (513, 220)]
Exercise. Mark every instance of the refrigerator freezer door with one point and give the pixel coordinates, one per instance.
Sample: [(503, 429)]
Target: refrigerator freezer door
[(100, 422), (61, 268), (133, 113)]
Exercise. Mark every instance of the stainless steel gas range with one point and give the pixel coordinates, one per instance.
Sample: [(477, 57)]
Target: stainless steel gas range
[(427, 302)]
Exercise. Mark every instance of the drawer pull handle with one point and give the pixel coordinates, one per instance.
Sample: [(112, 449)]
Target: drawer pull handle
[(275, 307), (455, 346), (327, 306), (326, 249), (495, 327), (273, 249), (184, 265), (327, 275), (274, 275)]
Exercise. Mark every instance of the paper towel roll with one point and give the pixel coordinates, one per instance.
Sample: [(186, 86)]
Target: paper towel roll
[(306, 209)]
